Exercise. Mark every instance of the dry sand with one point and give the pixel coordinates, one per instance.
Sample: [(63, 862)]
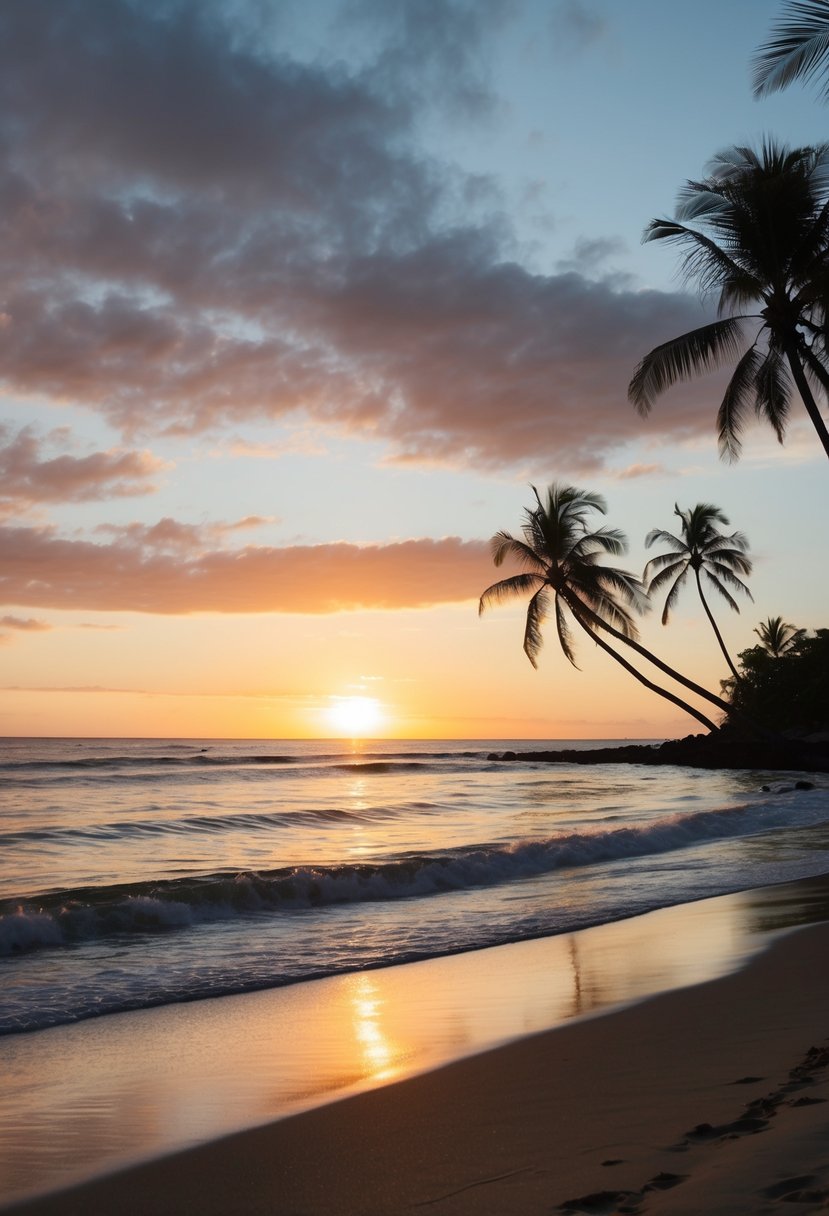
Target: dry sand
[(707, 1100)]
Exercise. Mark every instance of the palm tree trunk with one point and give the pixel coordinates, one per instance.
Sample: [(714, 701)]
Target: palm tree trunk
[(717, 633), (662, 692), (804, 388), (582, 609)]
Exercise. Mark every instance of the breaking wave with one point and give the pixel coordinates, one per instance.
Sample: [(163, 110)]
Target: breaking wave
[(62, 918)]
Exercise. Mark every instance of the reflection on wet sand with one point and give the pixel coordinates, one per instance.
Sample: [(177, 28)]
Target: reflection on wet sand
[(78, 1100)]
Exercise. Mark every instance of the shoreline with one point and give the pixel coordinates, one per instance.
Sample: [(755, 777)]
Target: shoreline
[(524, 1120)]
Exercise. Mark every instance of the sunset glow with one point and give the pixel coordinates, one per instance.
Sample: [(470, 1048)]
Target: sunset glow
[(273, 382)]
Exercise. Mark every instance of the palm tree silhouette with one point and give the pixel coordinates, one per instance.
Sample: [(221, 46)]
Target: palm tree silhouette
[(702, 548), (777, 637), (563, 571), (760, 237), (798, 49)]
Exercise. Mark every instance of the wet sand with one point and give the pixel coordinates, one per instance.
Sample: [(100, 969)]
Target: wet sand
[(711, 1098)]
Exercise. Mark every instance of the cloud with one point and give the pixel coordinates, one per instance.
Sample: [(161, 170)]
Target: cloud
[(28, 476), (22, 625), (590, 255), (172, 536), (27, 625), (195, 231), (634, 471), (576, 25), (38, 568), (432, 50)]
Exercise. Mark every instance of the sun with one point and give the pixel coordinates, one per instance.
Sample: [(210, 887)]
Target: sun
[(355, 717)]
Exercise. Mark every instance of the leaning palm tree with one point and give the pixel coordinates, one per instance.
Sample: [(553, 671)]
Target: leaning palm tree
[(755, 231), (798, 49), (777, 637), (703, 549), (563, 573)]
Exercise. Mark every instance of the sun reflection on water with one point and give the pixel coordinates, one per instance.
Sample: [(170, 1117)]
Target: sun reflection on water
[(377, 1050)]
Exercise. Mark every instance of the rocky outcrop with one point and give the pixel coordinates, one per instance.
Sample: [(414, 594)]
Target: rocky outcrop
[(694, 751)]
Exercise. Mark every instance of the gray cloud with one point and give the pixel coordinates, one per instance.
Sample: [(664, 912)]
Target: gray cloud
[(434, 52), (24, 624), (29, 475), (193, 233), (576, 25)]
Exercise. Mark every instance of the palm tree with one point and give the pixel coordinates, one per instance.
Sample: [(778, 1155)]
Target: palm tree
[(563, 571), (798, 49), (761, 237), (701, 547), (777, 637)]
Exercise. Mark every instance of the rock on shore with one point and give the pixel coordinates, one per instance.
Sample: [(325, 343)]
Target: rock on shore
[(694, 751)]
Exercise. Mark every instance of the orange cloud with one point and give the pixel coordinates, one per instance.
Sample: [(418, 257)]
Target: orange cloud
[(38, 568)]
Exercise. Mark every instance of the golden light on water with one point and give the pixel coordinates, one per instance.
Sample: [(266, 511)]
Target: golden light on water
[(377, 1051), (356, 717)]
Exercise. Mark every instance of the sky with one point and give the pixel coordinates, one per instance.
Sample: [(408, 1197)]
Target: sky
[(299, 301)]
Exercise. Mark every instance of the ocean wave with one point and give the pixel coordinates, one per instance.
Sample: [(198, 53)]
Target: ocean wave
[(63, 918), (218, 824), (116, 766), (81, 763), (381, 766)]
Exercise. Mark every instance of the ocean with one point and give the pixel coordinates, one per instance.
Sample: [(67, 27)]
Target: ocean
[(141, 873)]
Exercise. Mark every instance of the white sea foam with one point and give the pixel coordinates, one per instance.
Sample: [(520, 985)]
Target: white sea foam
[(66, 917)]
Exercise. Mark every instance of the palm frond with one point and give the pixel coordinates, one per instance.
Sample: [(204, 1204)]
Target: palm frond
[(507, 589), (738, 292), (696, 201), (729, 162), (773, 389), (536, 615), (599, 609), (565, 637), (670, 568), (701, 350), (668, 538), (703, 259), (610, 595), (777, 636), (504, 545), (720, 550), (626, 586), (673, 595), (812, 247), (603, 540), (722, 590), (798, 49), (739, 395), (725, 574), (699, 522)]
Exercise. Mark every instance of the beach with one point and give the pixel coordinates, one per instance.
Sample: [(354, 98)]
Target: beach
[(299, 978), (705, 1099)]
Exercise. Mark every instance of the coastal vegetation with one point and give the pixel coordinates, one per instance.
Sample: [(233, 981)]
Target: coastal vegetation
[(703, 549), (788, 689), (777, 636)]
